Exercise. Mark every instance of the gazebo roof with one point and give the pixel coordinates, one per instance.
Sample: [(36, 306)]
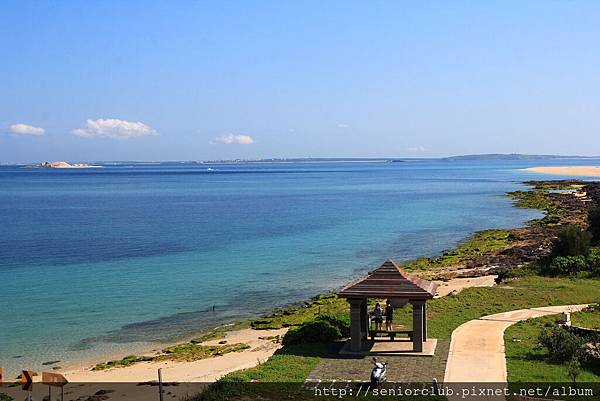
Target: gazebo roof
[(389, 281)]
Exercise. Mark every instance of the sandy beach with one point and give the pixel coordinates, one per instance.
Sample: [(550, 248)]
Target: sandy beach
[(580, 171), (204, 370)]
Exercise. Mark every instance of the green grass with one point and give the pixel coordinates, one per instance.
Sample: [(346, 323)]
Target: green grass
[(296, 315), (587, 319), (481, 243), (291, 364), (183, 352), (527, 361), (218, 333), (127, 361)]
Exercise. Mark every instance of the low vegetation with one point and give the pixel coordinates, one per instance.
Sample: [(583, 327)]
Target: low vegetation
[(572, 254), (537, 350), (481, 243), (594, 223), (323, 329), (588, 318), (297, 315), (184, 352)]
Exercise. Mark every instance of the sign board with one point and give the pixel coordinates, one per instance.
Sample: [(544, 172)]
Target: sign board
[(27, 380), (54, 379)]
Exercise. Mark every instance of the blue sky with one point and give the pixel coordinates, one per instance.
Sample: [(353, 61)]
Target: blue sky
[(182, 80)]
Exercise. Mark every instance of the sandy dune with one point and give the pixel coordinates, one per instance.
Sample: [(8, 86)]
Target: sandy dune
[(582, 171)]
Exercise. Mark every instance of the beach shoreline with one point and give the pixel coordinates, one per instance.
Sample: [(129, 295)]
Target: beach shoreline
[(262, 345), (579, 171)]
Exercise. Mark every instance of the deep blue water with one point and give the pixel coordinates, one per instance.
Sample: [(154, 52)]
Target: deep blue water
[(93, 261)]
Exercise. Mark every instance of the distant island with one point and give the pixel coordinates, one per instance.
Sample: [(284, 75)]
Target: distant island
[(513, 156), (62, 165), (486, 156)]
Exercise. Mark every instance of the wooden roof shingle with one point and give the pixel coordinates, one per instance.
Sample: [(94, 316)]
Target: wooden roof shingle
[(390, 281)]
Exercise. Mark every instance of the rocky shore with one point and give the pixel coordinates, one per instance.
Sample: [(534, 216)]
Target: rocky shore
[(498, 251)]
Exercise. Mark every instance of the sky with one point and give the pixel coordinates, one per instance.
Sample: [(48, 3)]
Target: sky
[(199, 80)]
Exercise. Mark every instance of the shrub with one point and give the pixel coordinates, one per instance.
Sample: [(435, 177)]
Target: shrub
[(566, 265), (562, 345), (574, 369), (594, 222), (593, 261), (339, 320), (572, 241), (314, 331)]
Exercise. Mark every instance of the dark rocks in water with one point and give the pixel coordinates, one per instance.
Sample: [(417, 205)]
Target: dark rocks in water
[(104, 392)]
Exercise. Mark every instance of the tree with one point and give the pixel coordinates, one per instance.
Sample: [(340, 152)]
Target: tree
[(574, 369), (562, 345), (572, 241), (594, 223)]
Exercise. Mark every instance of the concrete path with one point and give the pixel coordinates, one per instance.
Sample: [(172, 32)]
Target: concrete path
[(477, 347)]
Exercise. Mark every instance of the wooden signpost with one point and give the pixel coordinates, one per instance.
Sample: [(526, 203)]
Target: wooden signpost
[(27, 380), (54, 380)]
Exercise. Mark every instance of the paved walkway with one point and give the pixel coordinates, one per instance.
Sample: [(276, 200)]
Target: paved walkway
[(477, 347), (400, 368)]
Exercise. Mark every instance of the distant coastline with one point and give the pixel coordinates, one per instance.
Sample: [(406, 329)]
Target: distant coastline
[(287, 160)]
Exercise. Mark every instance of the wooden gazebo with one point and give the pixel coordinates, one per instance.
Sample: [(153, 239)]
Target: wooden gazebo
[(388, 281)]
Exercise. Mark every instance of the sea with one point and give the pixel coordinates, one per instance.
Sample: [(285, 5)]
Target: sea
[(104, 262)]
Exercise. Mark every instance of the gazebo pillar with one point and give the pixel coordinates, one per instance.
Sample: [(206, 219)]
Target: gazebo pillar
[(355, 324), (419, 327), (364, 320), (424, 321)]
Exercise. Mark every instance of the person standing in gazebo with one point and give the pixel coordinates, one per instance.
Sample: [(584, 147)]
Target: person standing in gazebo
[(378, 316), (389, 315)]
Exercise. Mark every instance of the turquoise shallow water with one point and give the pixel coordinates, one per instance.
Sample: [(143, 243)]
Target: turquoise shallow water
[(96, 261)]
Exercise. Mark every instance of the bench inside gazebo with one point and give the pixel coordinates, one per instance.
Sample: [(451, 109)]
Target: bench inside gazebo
[(389, 282)]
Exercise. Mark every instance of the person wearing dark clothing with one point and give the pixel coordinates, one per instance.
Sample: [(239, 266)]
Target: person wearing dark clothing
[(389, 316), (378, 316)]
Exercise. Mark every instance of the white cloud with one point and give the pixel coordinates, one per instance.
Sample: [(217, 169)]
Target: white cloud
[(25, 129), (340, 125), (419, 148), (113, 128), (229, 139)]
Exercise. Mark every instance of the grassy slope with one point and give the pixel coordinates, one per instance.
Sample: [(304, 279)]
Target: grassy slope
[(590, 320), (527, 360)]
